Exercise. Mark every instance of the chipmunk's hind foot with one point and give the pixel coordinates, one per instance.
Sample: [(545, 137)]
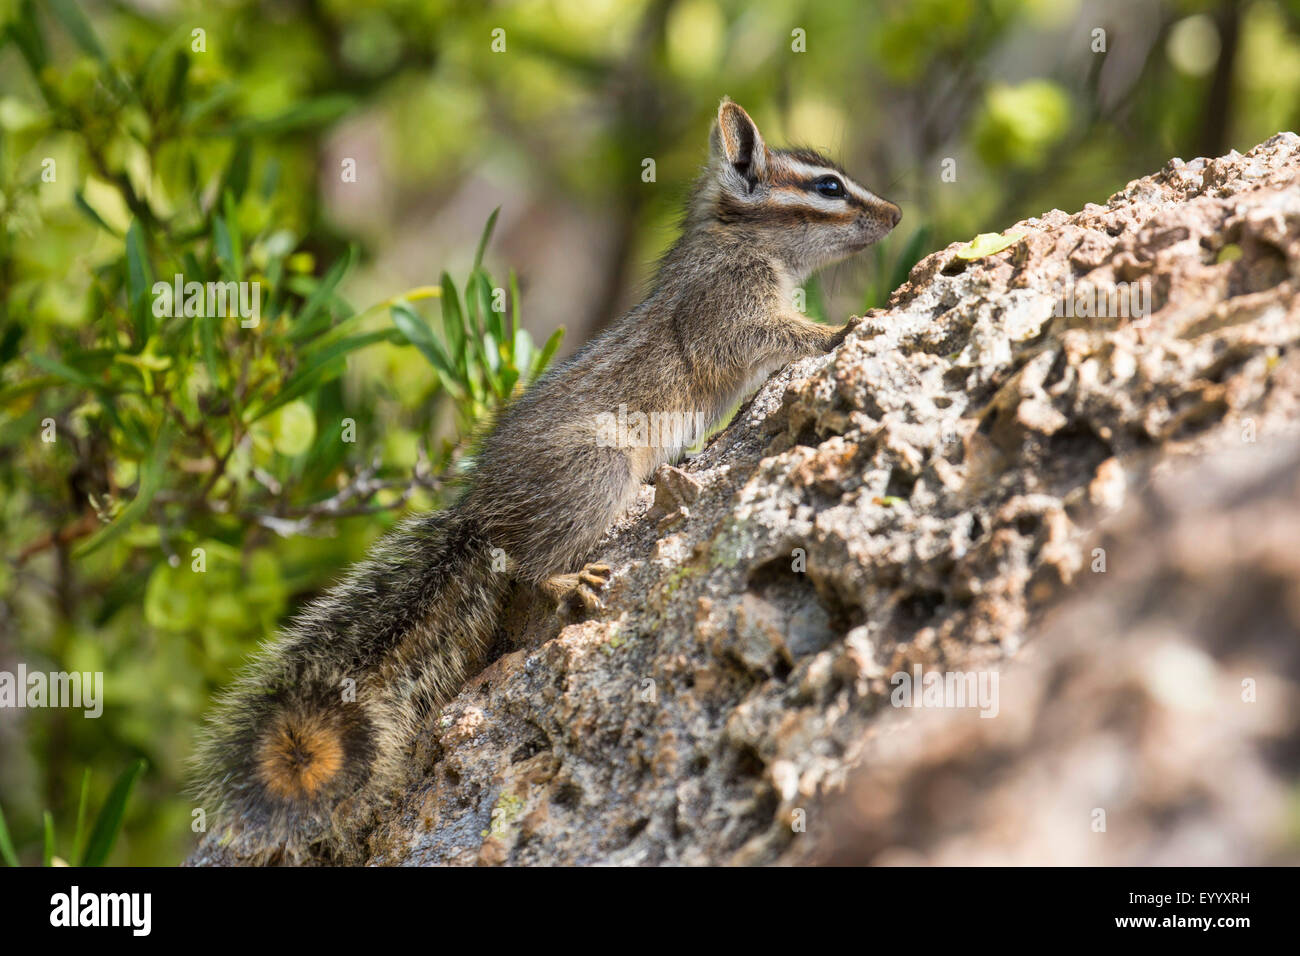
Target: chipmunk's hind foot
[(577, 594)]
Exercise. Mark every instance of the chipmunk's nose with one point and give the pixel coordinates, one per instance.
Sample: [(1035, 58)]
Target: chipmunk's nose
[(894, 213)]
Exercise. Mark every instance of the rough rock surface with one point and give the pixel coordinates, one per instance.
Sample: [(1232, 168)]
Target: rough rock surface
[(933, 495), (1152, 720)]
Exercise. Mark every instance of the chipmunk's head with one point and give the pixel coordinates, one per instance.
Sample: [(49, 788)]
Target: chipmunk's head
[(798, 203)]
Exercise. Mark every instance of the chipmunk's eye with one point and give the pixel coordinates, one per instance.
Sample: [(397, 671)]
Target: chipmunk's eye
[(829, 186)]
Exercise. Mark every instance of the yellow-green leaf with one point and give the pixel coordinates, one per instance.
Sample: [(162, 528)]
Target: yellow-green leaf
[(987, 243), (293, 428)]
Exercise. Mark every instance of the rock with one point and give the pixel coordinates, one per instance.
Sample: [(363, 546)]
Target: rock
[(973, 483), (674, 488), (1152, 719)]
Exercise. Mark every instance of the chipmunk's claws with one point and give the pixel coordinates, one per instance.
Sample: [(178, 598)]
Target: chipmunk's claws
[(596, 575), (576, 594)]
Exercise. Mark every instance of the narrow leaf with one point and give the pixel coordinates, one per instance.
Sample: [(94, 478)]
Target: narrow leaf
[(47, 852), (419, 334), (225, 248), (55, 367), (485, 238), (305, 325), (80, 199), (80, 833), (150, 481), (6, 844), (548, 350), (317, 112), (493, 321), (514, 305), (138, 282), (78, 27), (300, 385), (523, 351), (25, 31), (109, 822), (235, 178), (453, 323), (317, 357), (236, 239)]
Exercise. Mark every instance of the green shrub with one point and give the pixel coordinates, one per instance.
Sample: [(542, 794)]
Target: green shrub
[(181, 468)]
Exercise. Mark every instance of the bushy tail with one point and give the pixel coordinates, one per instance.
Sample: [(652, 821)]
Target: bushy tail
[(312, 738)]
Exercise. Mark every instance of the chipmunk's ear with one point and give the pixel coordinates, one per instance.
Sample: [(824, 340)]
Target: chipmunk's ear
[(736, 141)]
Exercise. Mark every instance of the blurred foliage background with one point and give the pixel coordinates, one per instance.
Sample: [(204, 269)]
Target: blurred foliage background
[(205, 478)]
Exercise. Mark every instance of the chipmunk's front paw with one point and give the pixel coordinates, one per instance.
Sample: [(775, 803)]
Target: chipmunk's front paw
[(842, 333), (578, 593)]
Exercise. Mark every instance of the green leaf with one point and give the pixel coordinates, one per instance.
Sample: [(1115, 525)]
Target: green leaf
[(313, 358), (293, 428), (509, 378), (55, 367), (987, 243), (80, 199), (226, 241), (514, 307), (306, 324), (47, 853), (207, 325), (9, 340), (236, 239), (323, 364), (78, 27), (473, 312), (485, 239), (234, 181), (150, 481), (163, 76), (196, 110), (80, 833), (21, 390), (179, 79), (221, 241), (486, 323), (300, 384), (418, 333), (548, 350), (25, 31), (138, 282), (6, 845), (523, 351), (453, 323), (109, 822), (468, 351), (493, 321), (270, 178), (317, 112)]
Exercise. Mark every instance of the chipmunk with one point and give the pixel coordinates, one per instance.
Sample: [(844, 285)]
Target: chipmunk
[(310, 742)]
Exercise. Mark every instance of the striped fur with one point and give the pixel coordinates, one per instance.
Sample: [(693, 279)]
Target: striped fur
[(768, 196), (294, 764)]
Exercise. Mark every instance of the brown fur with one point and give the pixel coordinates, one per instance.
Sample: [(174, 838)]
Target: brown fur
[(312, 740), (299, 755)]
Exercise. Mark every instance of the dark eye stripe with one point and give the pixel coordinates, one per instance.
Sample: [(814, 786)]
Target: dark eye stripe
[(809, 185), (732, 211)]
